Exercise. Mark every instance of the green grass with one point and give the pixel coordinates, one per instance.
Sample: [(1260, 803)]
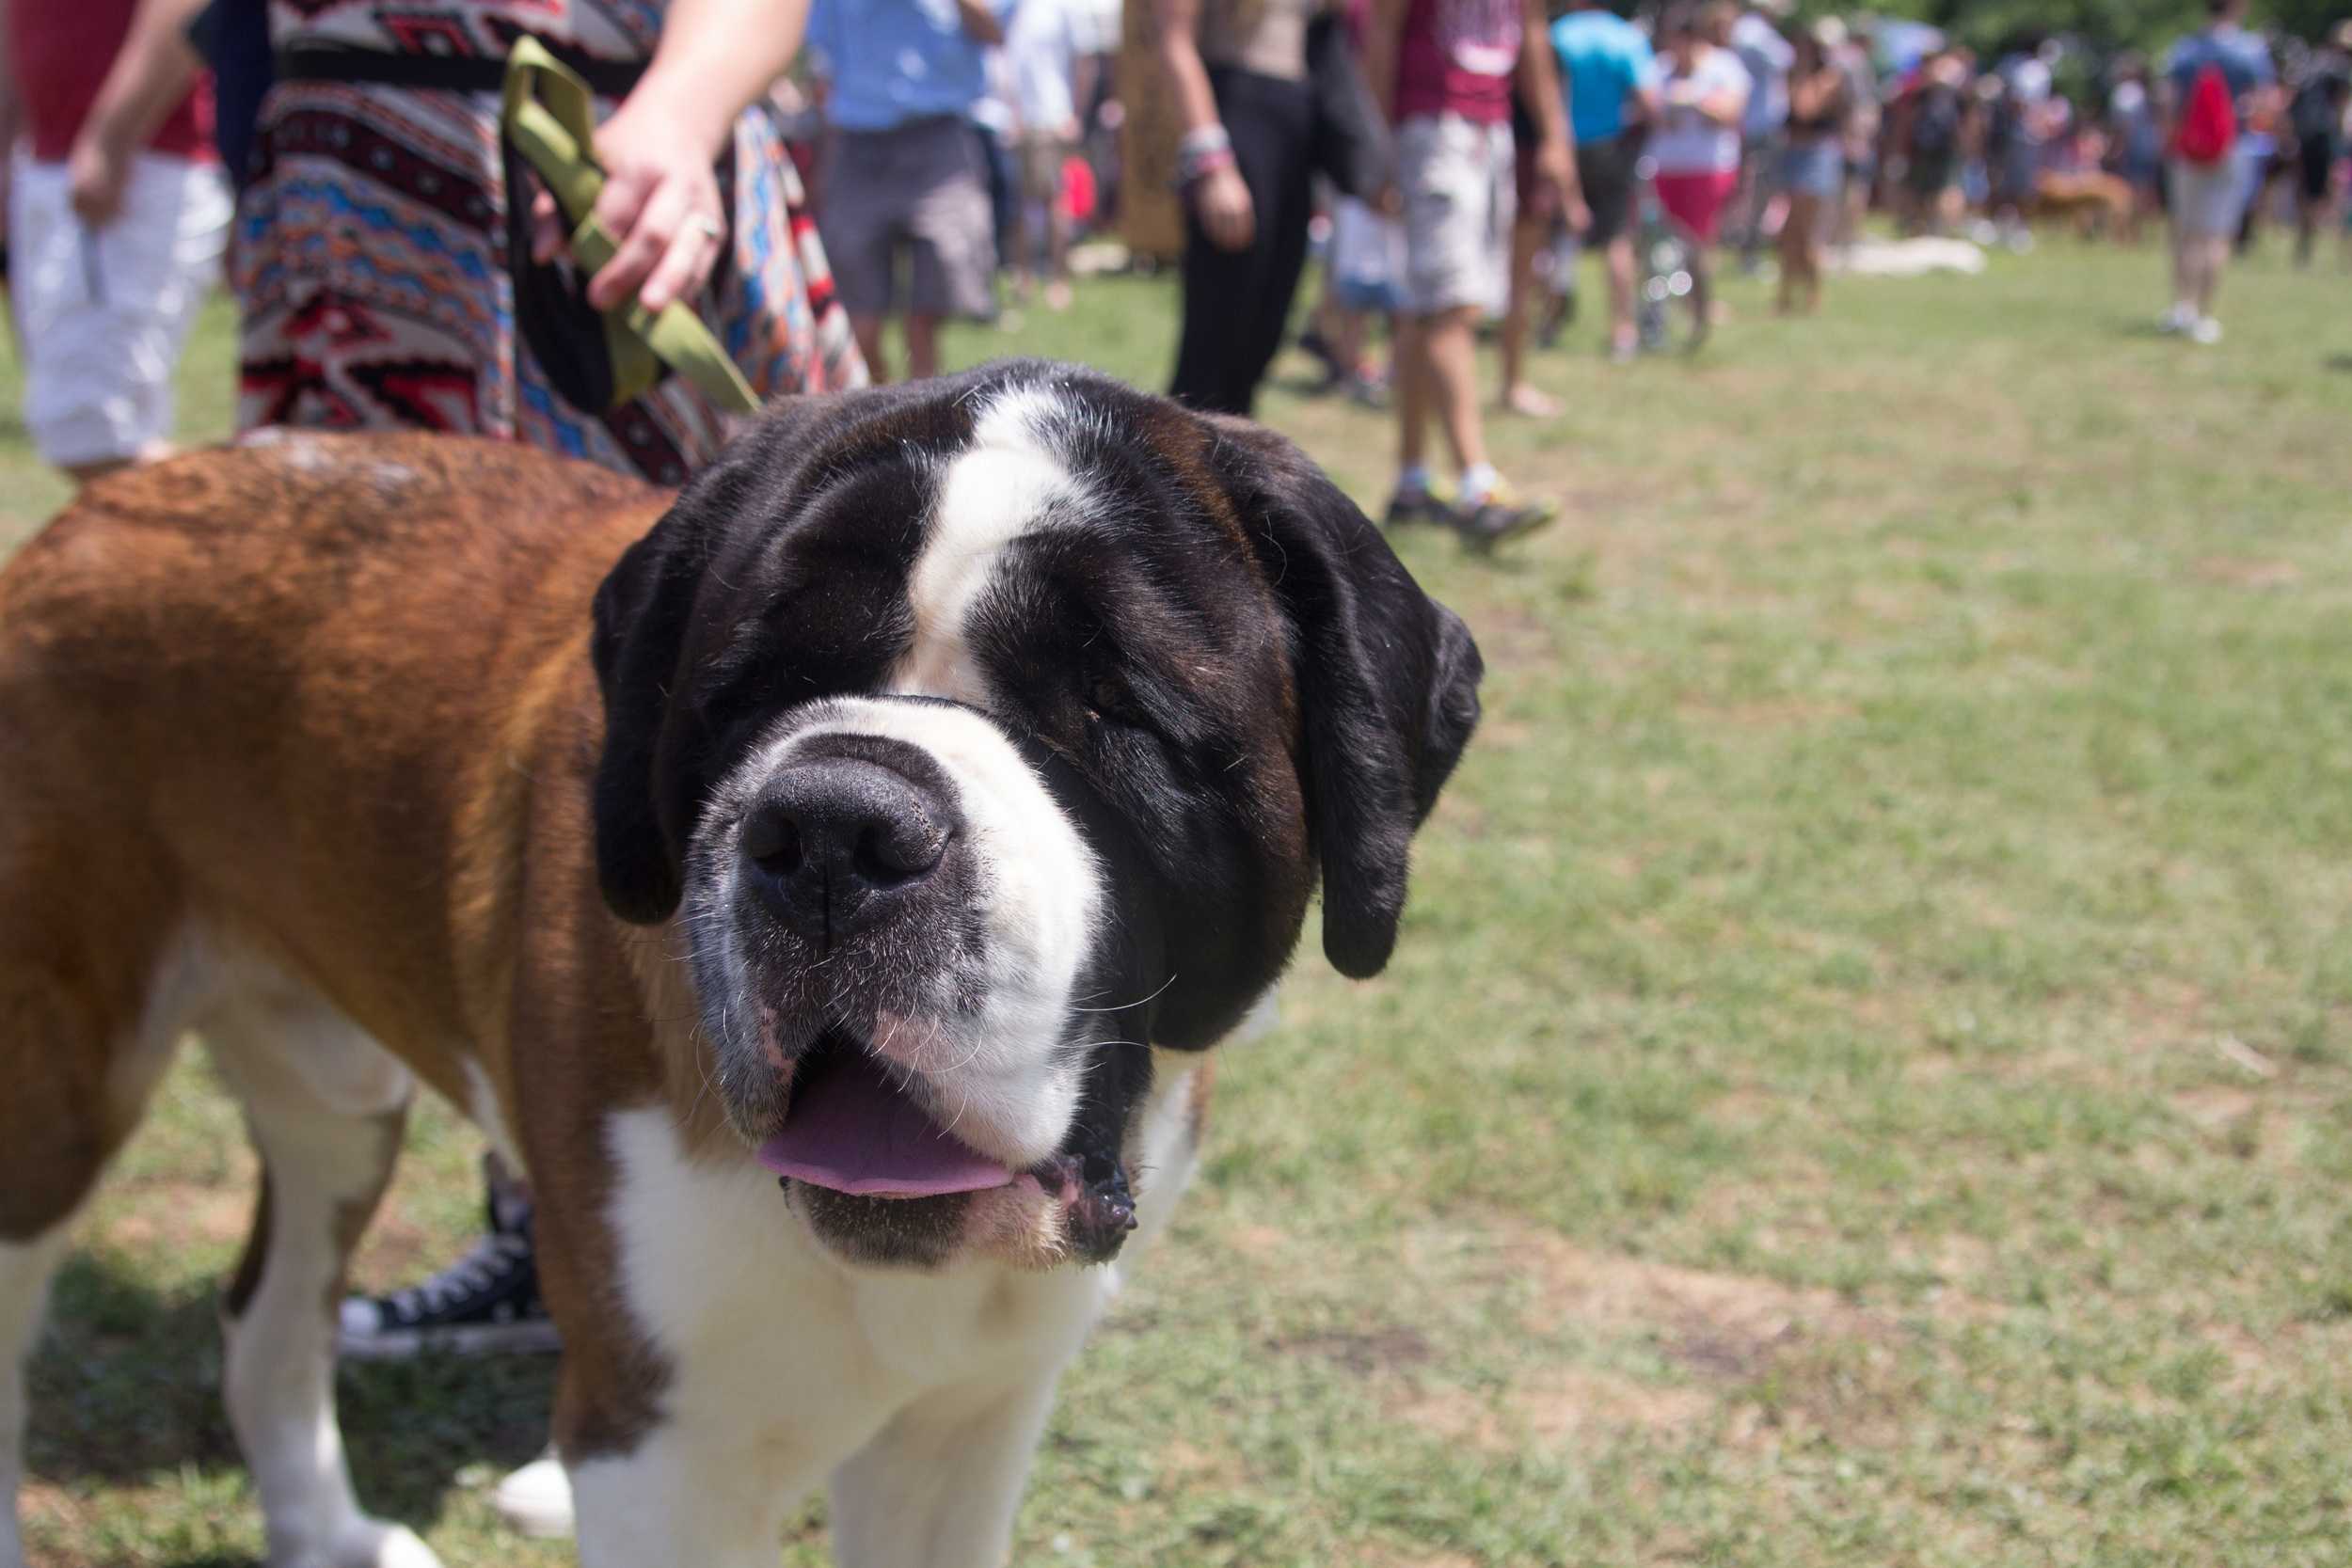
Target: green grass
[(1865, 1079)]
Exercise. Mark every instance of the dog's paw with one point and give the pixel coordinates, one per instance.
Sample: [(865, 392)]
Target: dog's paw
[(397, 1547), (364, 1544)]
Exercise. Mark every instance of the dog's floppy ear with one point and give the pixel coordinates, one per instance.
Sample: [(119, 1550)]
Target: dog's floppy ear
[(1388, 683), (651, 774)]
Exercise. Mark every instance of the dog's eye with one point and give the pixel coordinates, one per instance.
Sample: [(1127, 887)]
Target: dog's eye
[(1108, 699)]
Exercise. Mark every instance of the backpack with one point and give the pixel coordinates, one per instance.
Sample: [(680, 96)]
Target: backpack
[(2209, 119)]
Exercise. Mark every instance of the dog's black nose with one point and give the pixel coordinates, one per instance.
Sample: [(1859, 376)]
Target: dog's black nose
[(834, 844)]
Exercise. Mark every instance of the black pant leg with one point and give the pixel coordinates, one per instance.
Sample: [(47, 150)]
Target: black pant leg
[(1287, 205), (1235, 303)]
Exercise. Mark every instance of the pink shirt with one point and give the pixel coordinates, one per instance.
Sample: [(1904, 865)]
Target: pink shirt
[(1456, 57)]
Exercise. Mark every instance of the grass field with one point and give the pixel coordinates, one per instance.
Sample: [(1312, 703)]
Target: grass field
[(1868, 1075)]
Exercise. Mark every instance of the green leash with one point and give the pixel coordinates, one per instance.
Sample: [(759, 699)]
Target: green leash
[(549, 117)]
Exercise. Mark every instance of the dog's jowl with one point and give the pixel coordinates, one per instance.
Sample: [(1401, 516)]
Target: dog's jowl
[(827, 881)]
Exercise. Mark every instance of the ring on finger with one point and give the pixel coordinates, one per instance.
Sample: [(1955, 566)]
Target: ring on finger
[(710, 228)]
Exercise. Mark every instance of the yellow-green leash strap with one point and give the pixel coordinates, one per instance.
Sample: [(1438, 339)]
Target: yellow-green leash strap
[(549, 115)]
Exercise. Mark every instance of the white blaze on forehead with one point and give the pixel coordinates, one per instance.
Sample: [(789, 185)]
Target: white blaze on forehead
[(1007, 482)]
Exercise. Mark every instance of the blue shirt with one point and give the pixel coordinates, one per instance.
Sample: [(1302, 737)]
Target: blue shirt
[(1604, 59), (892, 61), (2244, 59), (1768, 57)]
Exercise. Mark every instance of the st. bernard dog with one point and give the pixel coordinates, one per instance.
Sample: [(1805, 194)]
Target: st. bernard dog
[(895, 818)]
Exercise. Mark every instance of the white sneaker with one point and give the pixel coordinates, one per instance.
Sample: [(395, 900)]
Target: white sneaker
[(536, 1500), (2177, 322), (2206, 331)]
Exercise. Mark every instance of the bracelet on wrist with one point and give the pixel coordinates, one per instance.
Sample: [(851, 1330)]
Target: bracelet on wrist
[(1206, 139), (1192, 167)]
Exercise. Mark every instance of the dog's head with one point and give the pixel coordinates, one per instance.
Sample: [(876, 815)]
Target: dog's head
[(982, 734)]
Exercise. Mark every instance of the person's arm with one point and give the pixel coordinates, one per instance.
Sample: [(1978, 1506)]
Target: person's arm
[(12, 118), (1085, 72), (1811, 95), (1727, 105), (1383, 30), (981, 23), (660, 199), (2166, 99), (1641, 104), (1215, 187), (1546, 103), (1179, 47), (151, 72)]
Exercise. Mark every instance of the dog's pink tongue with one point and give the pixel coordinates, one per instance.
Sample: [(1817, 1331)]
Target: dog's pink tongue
[(854, 1130)]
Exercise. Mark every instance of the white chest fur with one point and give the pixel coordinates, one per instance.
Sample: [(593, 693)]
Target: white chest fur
[(919, 1395)]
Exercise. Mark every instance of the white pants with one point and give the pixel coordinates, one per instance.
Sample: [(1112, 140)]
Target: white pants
[(101, 314)]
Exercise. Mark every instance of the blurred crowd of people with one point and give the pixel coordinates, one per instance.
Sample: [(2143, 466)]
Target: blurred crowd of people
[(1452, 160), (953, 151)]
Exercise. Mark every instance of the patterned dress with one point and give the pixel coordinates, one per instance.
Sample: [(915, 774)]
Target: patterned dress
[(372, 255)]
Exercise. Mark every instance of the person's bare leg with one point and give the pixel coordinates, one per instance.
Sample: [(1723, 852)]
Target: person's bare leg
[(2184, 259), (2216, 248), (868, 330), (1450, 359), (1058, 296), (1807, 218), (1412, 394), (1702, 296), (1791, 261), (1345, 332), (922, 346), (1618, 260), (1024, 270), (1519, 397)]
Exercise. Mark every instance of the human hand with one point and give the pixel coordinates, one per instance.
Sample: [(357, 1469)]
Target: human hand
[(96, 175), (661, 203), (1223, 203), (1556, 179)]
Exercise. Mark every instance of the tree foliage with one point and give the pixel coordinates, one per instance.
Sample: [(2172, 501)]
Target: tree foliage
[(1988, 25)]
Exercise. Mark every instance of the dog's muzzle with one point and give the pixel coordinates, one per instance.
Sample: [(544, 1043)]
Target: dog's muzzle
[(848, 836)]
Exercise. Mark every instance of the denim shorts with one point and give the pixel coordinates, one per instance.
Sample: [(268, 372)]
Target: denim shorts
[(1813, 167)]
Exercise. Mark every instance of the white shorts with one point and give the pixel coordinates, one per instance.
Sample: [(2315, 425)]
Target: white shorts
[(1454, 175), (101, 314)]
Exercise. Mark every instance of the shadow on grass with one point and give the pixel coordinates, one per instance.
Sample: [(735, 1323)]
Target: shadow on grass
[(2341, 363), (126, 1387)]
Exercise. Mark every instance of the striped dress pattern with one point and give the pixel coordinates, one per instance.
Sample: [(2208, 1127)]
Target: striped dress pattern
[(370, 263)]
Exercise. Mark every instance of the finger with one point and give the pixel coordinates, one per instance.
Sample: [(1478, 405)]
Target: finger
[(547, 228), (657, 222), (682, 272)]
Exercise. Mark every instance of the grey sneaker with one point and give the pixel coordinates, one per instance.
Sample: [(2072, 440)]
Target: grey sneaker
[(1500, 518)]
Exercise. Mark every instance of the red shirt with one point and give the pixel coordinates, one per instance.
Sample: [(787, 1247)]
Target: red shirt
[(1456, 57), (61, 52)]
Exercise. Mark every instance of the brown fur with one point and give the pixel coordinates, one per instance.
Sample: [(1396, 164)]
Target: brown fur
[(331, 696), (2091, 202)]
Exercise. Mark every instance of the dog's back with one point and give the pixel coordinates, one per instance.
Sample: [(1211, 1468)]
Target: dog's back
[(172, 647)]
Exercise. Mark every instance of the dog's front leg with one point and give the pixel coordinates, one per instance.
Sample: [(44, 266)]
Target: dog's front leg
[(680, 1498), (938, 1487)]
